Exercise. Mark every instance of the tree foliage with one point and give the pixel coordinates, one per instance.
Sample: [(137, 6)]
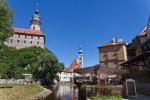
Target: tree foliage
[(6, 19), (40, 62)]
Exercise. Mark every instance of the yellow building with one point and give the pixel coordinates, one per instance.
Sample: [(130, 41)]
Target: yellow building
[(113, 53)]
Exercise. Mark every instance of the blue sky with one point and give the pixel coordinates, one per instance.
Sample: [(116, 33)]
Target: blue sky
[(67, 24)]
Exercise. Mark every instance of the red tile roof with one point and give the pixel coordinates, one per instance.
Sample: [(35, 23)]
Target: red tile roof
[(74, 65), (67, 70), (107, 44), (27, 31)]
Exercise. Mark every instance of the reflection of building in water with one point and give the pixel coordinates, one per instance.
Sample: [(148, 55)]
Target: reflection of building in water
[(68, 92)]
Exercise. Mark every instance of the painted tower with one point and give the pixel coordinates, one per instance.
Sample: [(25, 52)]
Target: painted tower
[(80, 57), (35, 22)]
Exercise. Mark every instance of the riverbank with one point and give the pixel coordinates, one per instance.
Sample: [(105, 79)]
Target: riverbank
[(23, 92)]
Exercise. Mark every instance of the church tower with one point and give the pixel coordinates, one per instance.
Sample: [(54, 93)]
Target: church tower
[(80, 57), (35, 22)]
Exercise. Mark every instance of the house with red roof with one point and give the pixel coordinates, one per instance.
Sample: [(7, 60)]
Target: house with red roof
[(113, 53), (28, 37), (67, 75), (74, 65)]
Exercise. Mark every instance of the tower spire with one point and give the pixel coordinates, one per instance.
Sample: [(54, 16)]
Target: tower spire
[(80, 57), (37, 4), (35, 22)]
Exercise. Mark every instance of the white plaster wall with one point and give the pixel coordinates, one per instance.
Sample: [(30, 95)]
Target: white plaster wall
[(65, 76), (13, 41)]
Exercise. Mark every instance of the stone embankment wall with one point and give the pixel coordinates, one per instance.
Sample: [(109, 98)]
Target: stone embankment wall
[(42, 95)]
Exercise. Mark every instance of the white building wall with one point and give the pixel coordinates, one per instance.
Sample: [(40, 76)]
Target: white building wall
[(25, 40), (65, 76)]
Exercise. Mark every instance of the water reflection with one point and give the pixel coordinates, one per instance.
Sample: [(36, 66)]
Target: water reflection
[(63, 92)]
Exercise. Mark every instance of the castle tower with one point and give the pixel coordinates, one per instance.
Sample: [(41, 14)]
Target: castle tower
[(80, 57), (35, 22)]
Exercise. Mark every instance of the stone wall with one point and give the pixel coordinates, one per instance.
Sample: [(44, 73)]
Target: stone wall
[(11, 81), (143, 88), (42, 95)]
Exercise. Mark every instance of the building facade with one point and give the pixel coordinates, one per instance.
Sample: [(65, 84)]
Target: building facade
[(66, 75), (28, 37), (138, 64), (113, 53)]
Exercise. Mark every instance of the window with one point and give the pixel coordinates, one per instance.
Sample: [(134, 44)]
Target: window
[(30, 42), (105, 50), (18, 41), (80, 63), (25, 36), (105, 57), (24, 41), (33, 27), (38, 37), (31, 37), (37, 43), (115, 56), (106, 64), (115, 49), (116, 63), (11, 40), (19, 36)]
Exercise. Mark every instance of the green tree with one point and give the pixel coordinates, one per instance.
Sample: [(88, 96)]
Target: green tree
[(6, 19), (49, 66), (6, 61)]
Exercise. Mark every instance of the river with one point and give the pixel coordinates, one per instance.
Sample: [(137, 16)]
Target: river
[(63, 92)]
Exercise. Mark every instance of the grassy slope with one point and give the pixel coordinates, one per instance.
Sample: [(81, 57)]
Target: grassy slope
[(19, 92)]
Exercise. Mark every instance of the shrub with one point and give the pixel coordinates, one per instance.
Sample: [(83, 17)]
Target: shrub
[(97, 86), (108, 89), (82, 87)]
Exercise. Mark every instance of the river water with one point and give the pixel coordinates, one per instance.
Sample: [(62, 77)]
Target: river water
[(63, 92)]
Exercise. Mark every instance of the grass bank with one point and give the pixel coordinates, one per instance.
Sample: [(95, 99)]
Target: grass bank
[(107, 98), (19, 92)]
